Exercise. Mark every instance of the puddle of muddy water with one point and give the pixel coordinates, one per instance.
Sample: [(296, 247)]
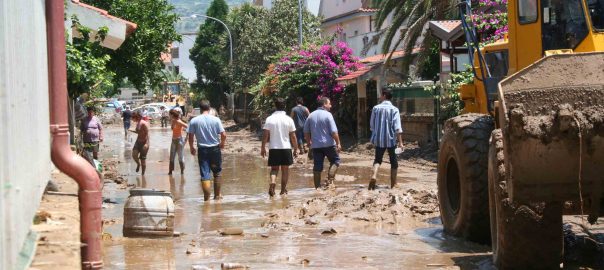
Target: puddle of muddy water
[(360, 245)]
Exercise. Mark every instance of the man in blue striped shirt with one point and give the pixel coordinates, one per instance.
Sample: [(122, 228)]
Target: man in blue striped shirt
[(385, 127)]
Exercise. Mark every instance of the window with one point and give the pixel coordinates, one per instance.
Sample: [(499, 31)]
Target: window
[(596, 12), (174, 52), (497, 63), (527, 11), (564, 24)]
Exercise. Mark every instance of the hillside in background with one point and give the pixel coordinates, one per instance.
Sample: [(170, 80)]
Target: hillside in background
[(187, 8)]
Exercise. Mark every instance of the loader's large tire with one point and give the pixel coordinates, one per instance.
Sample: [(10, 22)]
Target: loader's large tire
[(522, 236), (462, 177)]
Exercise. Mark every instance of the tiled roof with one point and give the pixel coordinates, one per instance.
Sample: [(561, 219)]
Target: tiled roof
[(350, 13), (130, 26), (381, 57), (368, 9), (448, 25), (355, 74), (446, 30)]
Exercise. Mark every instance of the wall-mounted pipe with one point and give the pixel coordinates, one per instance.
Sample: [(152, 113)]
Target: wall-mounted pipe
[(67, 161)]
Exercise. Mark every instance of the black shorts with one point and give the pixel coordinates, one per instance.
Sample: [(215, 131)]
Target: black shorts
[(141, 150), (280, 157)]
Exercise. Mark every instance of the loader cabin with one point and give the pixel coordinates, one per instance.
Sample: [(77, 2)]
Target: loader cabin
[(536, 28)]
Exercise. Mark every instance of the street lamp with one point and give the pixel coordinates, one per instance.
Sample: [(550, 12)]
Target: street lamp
[(300, 22), (228, 31)]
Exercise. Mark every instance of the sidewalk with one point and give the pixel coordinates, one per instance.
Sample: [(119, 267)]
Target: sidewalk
[(58, 245)]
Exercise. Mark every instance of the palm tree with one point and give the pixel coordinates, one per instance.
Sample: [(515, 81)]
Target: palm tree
[(409, 17)]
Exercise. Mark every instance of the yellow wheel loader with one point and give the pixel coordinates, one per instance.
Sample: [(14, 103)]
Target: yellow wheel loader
[(530, 142)]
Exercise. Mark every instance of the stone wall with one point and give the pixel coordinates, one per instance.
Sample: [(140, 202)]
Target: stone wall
[(419, 128)]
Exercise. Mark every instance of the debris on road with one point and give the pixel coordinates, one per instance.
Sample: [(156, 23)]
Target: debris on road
[(231, 231)]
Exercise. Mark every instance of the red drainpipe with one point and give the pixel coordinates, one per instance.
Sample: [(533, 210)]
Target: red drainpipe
[(67, 161)]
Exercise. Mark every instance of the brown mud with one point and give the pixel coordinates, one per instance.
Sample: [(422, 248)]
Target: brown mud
[(349, 227), (390, 206), (552, 114)]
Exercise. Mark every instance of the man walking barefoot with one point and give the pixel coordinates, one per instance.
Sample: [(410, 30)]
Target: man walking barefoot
[(321, 133), (141, 146), (279, 131), (211, 137), (386, 127)]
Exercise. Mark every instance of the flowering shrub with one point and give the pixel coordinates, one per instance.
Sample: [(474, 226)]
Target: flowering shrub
[(310, 72), (491, 19)]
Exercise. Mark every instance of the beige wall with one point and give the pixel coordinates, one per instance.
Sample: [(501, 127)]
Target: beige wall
[(358, 28), (331, 8), (24, 122)]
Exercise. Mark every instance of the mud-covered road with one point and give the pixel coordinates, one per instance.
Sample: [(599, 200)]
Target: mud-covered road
[(345, 228)]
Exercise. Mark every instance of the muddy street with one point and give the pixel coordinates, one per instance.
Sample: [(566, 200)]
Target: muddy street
[(327, 229)]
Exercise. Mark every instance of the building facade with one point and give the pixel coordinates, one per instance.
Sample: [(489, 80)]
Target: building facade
[(354, 22), (311, 5), (180, 56)]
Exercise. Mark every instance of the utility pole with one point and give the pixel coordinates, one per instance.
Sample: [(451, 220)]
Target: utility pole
[(300, 23)]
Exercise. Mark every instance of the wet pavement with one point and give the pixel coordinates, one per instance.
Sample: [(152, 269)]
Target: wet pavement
[(416, 244)]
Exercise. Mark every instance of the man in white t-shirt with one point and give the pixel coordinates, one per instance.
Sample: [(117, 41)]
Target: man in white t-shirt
[(280, 133)]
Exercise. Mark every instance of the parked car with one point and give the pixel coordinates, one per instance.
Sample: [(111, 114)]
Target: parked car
[(149, 111), (115, 105)]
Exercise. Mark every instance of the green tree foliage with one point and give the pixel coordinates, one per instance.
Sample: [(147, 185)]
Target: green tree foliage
[(210, 54), (249, 27), (260, 35), (138, 57), (86, 64), (409, 17)]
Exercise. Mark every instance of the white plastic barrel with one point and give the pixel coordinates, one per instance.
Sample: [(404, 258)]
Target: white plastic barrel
[(148, 212)]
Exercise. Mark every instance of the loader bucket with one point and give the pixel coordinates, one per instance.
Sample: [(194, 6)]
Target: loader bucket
[(552, 118)]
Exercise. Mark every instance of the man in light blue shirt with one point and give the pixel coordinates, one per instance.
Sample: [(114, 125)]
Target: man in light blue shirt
[(321, 133), (386, 127), (211, 137)]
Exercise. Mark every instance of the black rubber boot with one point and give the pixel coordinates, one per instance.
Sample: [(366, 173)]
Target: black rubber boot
[(393, 175), (317, 179)]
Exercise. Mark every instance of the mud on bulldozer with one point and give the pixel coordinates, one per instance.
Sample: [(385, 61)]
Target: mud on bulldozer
[(530, 142)]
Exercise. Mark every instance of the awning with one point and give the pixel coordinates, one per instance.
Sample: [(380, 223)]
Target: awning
[(446, 30), (352, 77), (379, 58), (95, 18)]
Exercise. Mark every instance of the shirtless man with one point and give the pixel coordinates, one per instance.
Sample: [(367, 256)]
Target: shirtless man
[(141, 146)]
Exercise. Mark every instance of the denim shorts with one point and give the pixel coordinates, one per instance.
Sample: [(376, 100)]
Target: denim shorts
[(326, 152), (210, 160)]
